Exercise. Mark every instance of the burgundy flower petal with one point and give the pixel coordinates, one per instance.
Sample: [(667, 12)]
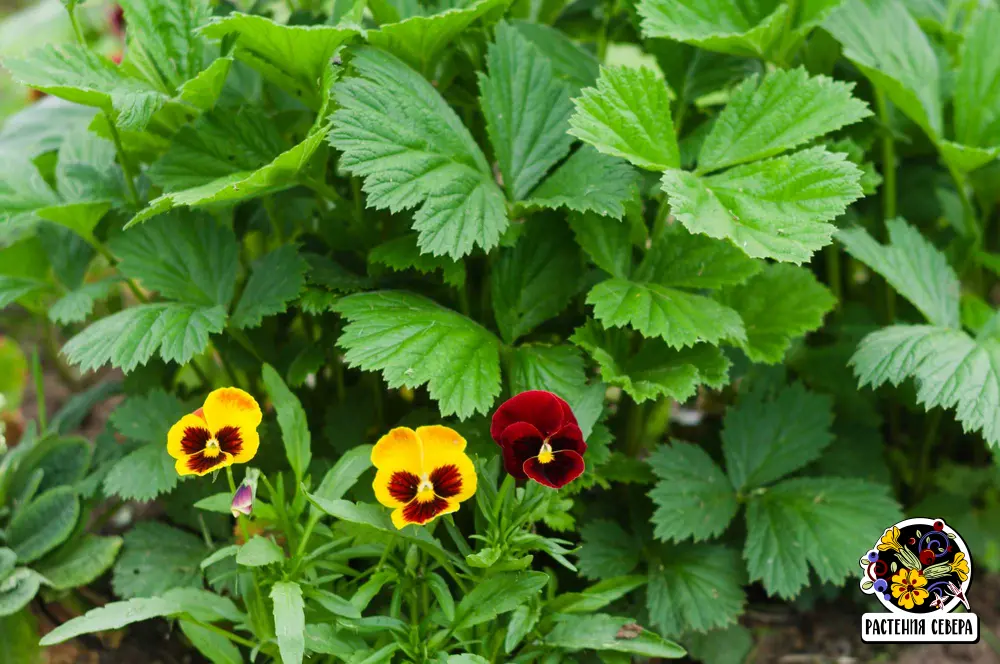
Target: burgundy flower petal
[(568, 438), (520, 441), (565, 467), (546, 411)]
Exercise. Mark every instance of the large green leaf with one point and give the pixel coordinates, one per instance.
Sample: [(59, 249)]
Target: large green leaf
[(784, 110), (162, 39), (607, 551), (156, 558), (23, 191), (43, 524), (557, 369), (17, 589), (588, 182), (259, 551), (292, 56), (414, 341), (680, 259), (856, 509), (527, 111), (186, 257), (776, 208), (402, 253), (80, 562), (131, 337), (695, 588), (498, 594), (777, 306), (694, 498), (148, 417), (276, 280), (214, 646), (142, 474), (913, 266), (291, 419), (977, 85), (113, 615), (397, 132), (764, 439), (884, 41), (729, 26), (289, 621), (602, 632), (570, 62), (607, 242), (628, 115)]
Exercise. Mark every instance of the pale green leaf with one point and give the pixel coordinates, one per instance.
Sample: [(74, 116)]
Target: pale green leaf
[(80, 562), (966, 158), (628, 115), (259, 551), (527, 111), (402, 253), (679, 318), (132, 336), (414, 341), (722, 646), (23, 190), (856, 509), (214, 646), (419, 39), (157, 558), (17, 589), (778, 305), (113, 615), (777, 208), (345, 473), (42, 127), (187, 257), (276, 280), (557, 369), (588, 182), (148, 417), (570, 62), (694, 498), (784, 110), (43, 524), (913, 266), (607, 550), (289, 621), (977, 85), (654, 369), (77, 305), (884, 41), (292, 420), (14, 288), (166, 35), (292, 56), (397, 132), (695, 588), (496, 595), (951, 370), (764, 439), (729, 26), (601, 632)]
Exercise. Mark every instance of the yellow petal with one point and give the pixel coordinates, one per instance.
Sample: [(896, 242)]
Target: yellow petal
[(400, 449), (441, 446), (398, 519), (231, 407), (251, 442), (176, 434)]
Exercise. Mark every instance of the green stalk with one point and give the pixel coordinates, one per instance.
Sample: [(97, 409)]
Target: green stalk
[(223, 632), (36, 372), (888, 186)]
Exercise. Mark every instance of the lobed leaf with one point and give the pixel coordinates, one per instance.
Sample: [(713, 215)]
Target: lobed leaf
[(729, 26), (588, 182), (694, 498), (696, 588), (276, 280)]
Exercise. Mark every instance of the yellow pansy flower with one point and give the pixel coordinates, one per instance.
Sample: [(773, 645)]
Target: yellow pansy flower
[(219, 434)]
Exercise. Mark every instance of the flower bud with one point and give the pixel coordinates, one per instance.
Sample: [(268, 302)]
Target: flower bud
[(242, 501)]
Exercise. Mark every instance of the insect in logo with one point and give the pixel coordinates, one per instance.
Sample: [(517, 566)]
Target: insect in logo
[(920, 570)]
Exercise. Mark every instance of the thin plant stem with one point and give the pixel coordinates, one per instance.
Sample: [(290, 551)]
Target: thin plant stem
[(36, 371), (223, 632)]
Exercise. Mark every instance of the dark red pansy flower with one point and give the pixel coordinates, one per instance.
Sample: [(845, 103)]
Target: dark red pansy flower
[(540, 439)]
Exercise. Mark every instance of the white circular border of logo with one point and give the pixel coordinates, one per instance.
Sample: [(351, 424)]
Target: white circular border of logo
[(948, 530)]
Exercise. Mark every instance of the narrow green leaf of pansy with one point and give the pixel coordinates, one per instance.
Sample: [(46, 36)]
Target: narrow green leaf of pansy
[(276, 280), (681, 259), (728, 26), (113, 615), (859, 510), (293, 57), (570, 62), (628, 115), (498, 594), (602, 632), (166, 35), (527, 111), (786, 109), (259, 551), (186, 257), (777, 306), (419, 39), (292, 420), (764, 439), (535, 280), (289, 621), (776, 208), (214, 646), (588, 182), (397, 132), (693, 498), (345, 473), (607, 550), (522, 621), (654, 369), (950, 369), (681, 319), (43, 524), (607, 242), (156, 558), (80, 562), (79, 75), (402, 253), (177, 332), (977, 84), (913, 267), (414, 341), (885, 42), (694, 588)]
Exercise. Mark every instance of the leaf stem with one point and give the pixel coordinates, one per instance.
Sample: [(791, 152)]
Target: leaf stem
[(223, 632), (888, 185)]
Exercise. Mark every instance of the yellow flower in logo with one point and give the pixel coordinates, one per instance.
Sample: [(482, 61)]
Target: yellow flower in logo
[(960, 566), (890, 540), (908, 588)]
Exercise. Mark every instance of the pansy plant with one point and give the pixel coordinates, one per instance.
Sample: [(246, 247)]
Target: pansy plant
[(217, 435)]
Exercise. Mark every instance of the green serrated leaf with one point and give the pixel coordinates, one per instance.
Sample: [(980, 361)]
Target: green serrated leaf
[(588, 182), (43, 524), (695, 588), (694, 497), (143, 474), (414, 341), (259, 551), (858, 510), (396, 132), (777, 208), (402, 253), (527, 111), (557, 369), (166, 34), (498, 594), (729, 26), (607, 550), (786, 109), (977, 84), (276, 280), (777, 306), (628, 115), (570, 62), (681, 259), (77, 305), (607, 242)]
